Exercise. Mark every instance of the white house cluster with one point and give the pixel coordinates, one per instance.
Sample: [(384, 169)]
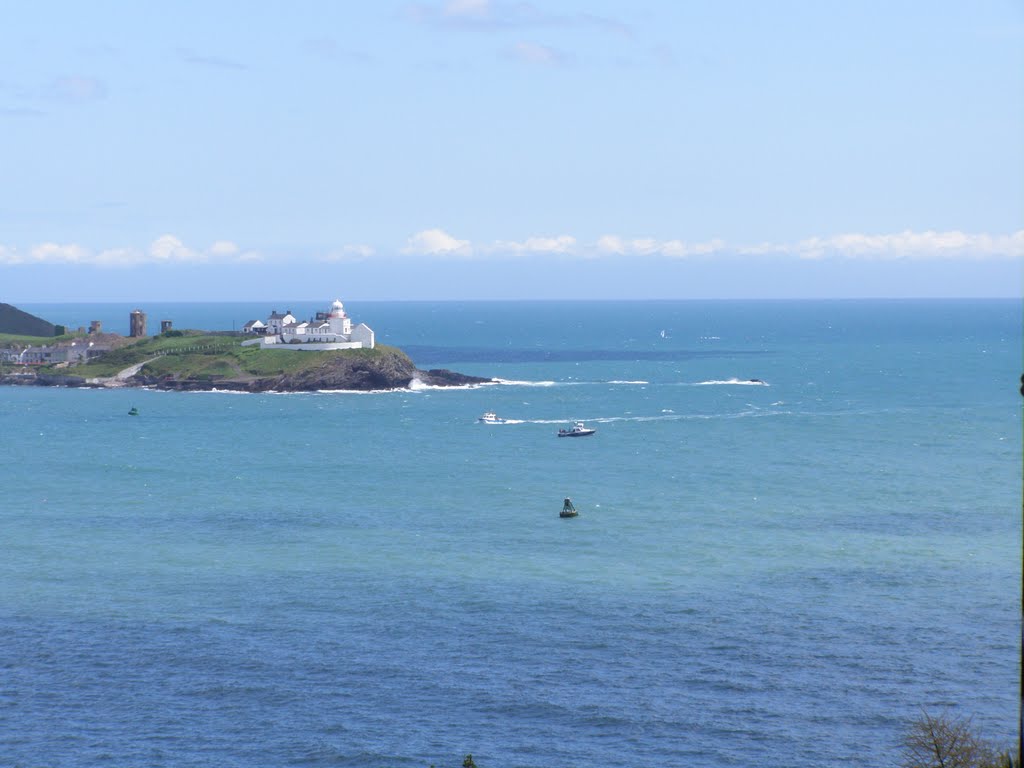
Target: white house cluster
[(332, 329)]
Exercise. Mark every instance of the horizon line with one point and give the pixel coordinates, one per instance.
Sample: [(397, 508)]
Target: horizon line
[(523, 300)]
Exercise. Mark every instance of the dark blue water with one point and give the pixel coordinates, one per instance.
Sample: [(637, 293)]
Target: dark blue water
[(781, 573)]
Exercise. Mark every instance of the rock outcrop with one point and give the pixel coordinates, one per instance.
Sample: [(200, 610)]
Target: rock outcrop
[(383, 370), (387, 370)]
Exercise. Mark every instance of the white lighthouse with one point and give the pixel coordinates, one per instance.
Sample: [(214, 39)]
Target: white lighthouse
[(338, 320)]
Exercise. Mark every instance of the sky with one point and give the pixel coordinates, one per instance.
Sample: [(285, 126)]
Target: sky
[(492, 149)]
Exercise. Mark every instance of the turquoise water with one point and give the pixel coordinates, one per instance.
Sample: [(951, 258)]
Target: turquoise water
[(781, 573)]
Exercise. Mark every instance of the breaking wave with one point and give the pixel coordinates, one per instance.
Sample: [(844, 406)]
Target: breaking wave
[(416, 385)]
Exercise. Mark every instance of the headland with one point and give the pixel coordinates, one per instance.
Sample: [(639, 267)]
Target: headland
[(196, 360)]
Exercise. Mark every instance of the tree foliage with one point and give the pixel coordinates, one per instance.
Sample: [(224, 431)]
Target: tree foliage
[(947, 741)]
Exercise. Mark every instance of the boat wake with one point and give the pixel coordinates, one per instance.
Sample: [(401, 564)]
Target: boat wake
[(733, 382), (417, 385), (518, 383), (753, 412), (514, 383), (626, 382)]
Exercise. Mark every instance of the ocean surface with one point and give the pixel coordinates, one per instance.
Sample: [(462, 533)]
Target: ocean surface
[(780, 573)]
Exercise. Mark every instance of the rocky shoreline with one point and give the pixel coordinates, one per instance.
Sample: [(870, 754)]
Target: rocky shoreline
[(339, 372)]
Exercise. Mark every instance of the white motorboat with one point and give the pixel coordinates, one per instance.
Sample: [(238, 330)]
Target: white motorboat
[(578, 430)]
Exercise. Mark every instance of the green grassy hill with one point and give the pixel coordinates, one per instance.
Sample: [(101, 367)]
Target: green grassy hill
[(15, 321), (200, 357), (198, 360)]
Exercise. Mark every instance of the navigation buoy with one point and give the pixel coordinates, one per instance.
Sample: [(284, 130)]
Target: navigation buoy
[(568, 510)]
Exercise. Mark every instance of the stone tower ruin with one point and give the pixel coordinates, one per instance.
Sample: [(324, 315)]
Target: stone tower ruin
[(137, 323)]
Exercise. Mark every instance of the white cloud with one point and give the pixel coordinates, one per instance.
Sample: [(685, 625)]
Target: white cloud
[(354, 252), (223, 248), (760, 249), (611, 244), (697, 249), (119, 257), (560, 244), (168, 248), (437, 242), (63, 254), (680, 250), (649, 246), (900, 245)]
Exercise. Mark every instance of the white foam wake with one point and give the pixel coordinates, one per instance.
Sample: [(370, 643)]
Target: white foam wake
[(735, 382), (514, 383), (418, 386)]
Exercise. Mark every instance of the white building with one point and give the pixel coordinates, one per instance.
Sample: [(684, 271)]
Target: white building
[(277, 321), (76, 352), (328, 330)]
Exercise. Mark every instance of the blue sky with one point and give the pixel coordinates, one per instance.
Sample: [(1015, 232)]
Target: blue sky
[(477, 149)]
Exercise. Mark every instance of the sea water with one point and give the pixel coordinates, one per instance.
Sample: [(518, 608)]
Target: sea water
[(800, 527)]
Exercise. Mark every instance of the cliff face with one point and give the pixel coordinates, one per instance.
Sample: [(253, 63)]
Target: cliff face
[(388, 369)]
